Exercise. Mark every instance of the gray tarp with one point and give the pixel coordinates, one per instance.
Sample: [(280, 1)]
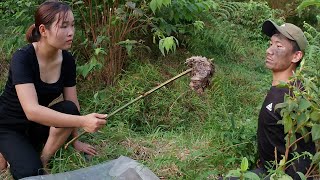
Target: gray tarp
[(122, 168)]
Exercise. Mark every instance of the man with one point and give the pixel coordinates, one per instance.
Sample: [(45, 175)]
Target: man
[(287, 45)]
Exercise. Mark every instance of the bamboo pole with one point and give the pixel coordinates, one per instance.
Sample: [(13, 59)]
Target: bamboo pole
[(135, 100)]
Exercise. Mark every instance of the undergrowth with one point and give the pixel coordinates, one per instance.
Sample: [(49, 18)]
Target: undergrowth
[(173, 131)]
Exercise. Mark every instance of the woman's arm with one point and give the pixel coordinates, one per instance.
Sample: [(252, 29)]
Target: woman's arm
[(29, 101), (70, 93)]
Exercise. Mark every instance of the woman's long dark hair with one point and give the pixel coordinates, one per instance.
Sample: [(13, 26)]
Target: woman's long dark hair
[(45, 15)]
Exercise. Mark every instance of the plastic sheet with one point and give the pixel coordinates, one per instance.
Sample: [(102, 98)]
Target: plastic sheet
[(123, 168)]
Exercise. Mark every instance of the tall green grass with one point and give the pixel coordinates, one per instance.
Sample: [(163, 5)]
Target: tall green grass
[(173, 131)]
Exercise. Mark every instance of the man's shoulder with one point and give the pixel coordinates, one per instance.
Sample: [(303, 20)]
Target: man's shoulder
[(278, 91), (275, 95)]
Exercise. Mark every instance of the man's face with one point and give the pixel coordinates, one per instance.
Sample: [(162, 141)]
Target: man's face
[(279, 54)]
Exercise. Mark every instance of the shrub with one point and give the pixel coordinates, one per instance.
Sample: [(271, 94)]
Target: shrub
[(231, 27), (16, 17), (104, 28)]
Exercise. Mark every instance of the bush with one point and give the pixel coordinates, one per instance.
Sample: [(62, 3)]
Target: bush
[(229, 28), (16, 17)]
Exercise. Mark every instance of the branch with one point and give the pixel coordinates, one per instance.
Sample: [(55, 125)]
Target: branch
[(299, 139), (288, 148), (310, 170)]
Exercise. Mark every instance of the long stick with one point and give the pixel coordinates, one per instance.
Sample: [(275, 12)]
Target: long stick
[(134, 100)]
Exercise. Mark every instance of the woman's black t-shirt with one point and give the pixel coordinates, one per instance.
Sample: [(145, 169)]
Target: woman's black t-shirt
[(24, 68)]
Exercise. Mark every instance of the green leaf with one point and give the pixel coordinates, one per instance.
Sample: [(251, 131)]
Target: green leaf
[(307, 3), (137, 12), (28, 4), (168, 43), (285, 177), (176, 40), (166, 2), (98, 51), (159, 3), (304, 104), (301, 119), (201, 6), (129, 48), (314, 87), (315, 115), (287, 124), (18, 15), (234, 173), (244, 164), (251, 176), (128, 44), (280, 105), (292, 105), (304, 131), (95, 96), (153, 6), (302, 176), (85, 69), (99, 40), (78, 2), (128, 41), (198, 25), (280, 176), (316, 158), (282, 84), (282, 161), (131, 4), (293, 138), (315, 132), (213, 5), (161, 46)]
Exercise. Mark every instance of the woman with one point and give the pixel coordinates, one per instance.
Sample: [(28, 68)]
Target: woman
[(39, 73)]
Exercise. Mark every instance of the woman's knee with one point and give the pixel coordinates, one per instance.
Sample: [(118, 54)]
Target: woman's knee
[(67, 107), (57, 132), (3, 163), (16, 148), (33, 168)]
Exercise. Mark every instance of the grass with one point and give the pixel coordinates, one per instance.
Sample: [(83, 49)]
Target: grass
[(174, 132)]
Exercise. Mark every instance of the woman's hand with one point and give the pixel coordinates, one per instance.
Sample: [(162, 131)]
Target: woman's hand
[(84, 147), (3, 163), (93, 122)]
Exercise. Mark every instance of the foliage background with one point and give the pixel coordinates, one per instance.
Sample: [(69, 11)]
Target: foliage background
[(174, 132)]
